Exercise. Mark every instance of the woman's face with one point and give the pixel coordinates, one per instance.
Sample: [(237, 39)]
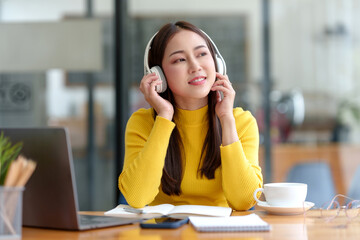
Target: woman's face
[(189, 69)]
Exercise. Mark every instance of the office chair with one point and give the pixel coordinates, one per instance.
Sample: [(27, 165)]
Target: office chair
[(122, 199), (317, 175), (354, 190)]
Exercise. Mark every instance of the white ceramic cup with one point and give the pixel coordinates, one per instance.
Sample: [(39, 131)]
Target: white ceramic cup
[(283, 194)]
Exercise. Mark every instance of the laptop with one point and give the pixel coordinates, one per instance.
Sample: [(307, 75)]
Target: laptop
[(50, 196)]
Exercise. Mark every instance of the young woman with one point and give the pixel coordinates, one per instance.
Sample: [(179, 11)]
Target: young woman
[(192, 146)]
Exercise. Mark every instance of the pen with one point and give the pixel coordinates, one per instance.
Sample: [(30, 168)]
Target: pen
[(133, 210)]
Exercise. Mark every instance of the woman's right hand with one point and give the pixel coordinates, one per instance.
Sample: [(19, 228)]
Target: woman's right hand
[(163, 107)]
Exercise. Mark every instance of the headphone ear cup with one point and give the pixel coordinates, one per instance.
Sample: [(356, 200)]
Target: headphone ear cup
[(157, 70)]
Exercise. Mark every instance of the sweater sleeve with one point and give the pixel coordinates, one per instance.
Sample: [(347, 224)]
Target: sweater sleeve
[(146, 142), (241, 173)]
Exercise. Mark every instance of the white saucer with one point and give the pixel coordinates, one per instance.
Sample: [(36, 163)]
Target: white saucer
[(285, 210)]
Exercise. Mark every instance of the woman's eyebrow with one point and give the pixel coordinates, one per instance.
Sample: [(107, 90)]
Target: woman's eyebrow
[(182, 51), (176, 52), (200, 46)]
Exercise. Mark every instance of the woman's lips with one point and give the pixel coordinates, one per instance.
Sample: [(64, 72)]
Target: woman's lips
[(197, 81)]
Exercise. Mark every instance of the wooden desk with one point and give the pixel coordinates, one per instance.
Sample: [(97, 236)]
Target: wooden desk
[(283, 227)]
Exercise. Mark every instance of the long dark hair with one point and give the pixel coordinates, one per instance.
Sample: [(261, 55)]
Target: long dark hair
[(210, 155)]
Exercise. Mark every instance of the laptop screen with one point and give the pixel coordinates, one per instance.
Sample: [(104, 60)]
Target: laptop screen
[(50, 196)]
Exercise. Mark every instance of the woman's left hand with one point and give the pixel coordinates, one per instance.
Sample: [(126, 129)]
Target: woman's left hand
[(224, 107)]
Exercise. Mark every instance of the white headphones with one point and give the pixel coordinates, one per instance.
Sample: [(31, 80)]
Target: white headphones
[(219, 61)]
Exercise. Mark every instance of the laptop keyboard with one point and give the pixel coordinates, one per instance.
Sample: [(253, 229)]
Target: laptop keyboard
[(96, 221), (92, 219)]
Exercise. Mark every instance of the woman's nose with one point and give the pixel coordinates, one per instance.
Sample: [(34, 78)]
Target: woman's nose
[(194, 66)]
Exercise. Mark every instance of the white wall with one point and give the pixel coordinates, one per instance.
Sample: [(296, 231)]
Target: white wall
[(39, 10), (305, 57), (49, 10)]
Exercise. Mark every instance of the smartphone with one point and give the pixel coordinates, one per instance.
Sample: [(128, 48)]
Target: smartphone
[(164, 222)]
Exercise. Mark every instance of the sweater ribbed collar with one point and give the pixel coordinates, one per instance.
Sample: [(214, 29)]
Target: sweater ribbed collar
[(191, 117)]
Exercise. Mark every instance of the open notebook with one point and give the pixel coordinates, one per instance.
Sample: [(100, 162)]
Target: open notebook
[(169, 210), (248, 223)]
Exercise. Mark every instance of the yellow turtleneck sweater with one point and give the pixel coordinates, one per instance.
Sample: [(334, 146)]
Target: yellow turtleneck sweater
[(146, 142)]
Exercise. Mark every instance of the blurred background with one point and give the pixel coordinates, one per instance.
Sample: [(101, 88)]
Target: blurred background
[(295, 64)]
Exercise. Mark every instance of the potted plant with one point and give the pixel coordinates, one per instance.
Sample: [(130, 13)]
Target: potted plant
[(8, 153), (10, 196)]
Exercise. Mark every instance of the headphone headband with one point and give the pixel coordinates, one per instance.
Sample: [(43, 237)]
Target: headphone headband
[(146, 55), (218, 56)]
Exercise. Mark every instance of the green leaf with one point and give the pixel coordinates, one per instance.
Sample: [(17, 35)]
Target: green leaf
[(8, 153)]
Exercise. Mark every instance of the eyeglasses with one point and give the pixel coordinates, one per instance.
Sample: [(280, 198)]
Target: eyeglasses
[(331, 210)]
